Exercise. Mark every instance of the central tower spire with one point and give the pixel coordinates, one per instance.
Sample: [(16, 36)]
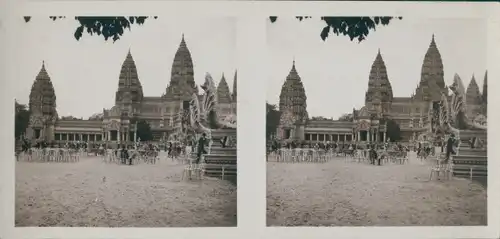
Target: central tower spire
[(182, 84), (432, 75)]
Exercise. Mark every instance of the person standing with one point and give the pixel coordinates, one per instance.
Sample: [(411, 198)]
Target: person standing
[(373, 155), (169, 149), (124, 155), (223, 141), (201, 147), (449, 147)]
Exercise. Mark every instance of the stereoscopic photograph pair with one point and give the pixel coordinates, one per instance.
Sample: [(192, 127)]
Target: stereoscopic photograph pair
[(132, 122)]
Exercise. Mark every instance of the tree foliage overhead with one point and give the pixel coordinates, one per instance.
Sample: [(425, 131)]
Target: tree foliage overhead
[(272, 120), (353, 27), (113, 27), (393, 130), (108, 27), (22, 119)]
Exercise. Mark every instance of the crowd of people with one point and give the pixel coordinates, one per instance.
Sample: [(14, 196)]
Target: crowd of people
[(375, 151), (127, 151)]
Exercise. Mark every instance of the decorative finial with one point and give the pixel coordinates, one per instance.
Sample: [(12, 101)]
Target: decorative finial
[(379, 50), (182, 36)]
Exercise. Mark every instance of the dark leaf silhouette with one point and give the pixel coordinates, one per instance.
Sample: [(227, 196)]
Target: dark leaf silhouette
[(301, 17), (325, 32), (107, 27), (354, 27), (78, 32)]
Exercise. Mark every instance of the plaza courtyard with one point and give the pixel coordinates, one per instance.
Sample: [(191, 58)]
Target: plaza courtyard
[(91, 193), (345, 193)]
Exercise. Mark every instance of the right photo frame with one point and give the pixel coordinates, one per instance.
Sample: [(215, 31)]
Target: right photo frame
[(376, 121)]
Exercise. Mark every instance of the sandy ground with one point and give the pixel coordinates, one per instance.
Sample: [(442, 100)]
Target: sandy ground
[(74, 194), (340, 193)]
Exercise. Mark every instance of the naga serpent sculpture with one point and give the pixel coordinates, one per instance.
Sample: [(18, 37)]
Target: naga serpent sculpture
[(200, 111), (446, 115), (450, 111), (458, 105)]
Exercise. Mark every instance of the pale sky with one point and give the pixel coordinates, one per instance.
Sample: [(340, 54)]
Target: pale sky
[(335, 72), (85, 73)]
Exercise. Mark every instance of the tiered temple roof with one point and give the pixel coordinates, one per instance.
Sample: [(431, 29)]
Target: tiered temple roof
[(235, 88), (182, 82), (223, 94), (129, 85), (42, 99), (379, 87), (485, 89), (473, 96), (432, 75), (293, 97)]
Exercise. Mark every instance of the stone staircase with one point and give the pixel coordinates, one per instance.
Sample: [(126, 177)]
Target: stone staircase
[(465, 135), (222, 162), (469, 162)]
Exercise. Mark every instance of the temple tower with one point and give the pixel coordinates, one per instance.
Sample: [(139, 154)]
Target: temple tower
[(378, 97), (223, 98), (182, 84), (431, 85), (473, 99), (485, 94), (432, 76), (234, 96), (223, 94), (293, 106), (129, 94), (42, 105)]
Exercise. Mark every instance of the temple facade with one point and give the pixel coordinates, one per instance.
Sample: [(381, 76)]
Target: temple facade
[(165, 114), (369, 123)]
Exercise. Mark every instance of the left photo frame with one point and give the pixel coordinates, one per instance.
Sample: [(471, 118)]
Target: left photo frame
[(126, 122)]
